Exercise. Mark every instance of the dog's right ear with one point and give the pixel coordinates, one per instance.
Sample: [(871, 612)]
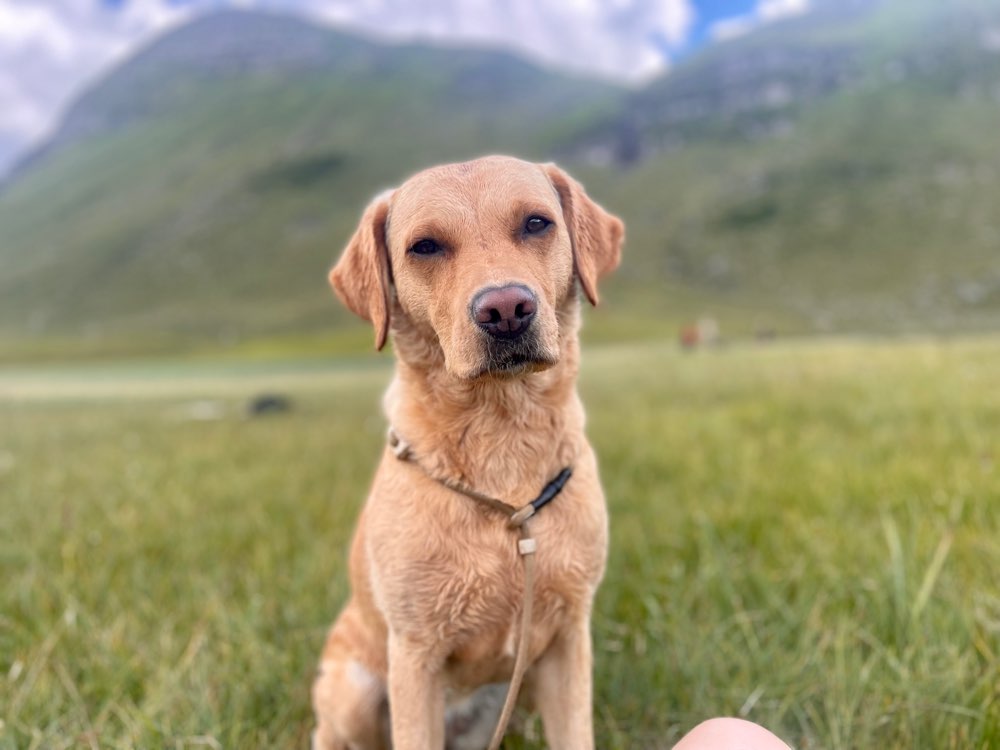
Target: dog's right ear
[(362, 276)]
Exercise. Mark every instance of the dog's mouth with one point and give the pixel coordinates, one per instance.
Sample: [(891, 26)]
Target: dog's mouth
[(507, 359)]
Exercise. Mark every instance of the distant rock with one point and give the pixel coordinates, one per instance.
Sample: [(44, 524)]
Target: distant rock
[(267, 404)]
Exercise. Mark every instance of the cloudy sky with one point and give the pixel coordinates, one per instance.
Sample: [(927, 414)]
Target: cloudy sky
[(51, 49)]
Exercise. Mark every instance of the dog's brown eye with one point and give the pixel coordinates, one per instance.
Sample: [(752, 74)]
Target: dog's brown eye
[(425, 247), (536, 224)]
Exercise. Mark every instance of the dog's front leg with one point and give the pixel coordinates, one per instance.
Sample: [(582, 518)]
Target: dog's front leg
[(563, 689), (416, 696)]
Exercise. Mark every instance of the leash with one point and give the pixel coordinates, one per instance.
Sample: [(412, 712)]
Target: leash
[(526, 546)]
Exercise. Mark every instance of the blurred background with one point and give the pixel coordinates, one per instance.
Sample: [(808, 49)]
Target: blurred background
[(179, 175), (804, 512)]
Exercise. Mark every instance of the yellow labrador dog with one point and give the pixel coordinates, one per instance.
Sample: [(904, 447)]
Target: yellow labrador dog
[(473, 268)]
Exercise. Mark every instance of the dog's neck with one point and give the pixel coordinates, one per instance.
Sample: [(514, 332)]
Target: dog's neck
[(504, 436)]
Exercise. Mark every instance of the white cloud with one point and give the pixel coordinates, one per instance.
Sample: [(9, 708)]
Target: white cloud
[(21, 115), (730, 28), (622, 39), (34, 27), (767, 11), (772, 10), (50, 51)]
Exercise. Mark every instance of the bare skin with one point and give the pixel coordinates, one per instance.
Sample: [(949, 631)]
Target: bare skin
[(730, 734)]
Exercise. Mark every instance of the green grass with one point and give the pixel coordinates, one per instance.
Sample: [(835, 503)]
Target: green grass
[(803, 534)]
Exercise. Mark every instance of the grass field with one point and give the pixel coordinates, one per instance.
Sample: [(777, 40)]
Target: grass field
[(805, 534)]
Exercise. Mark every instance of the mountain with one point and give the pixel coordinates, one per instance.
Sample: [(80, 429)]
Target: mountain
[(839, 169), (836, 171), (203, 188), (230, 48)]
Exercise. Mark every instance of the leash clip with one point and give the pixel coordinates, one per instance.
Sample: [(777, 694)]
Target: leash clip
[(521, 515)]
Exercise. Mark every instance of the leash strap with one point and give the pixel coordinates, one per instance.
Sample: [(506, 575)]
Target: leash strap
[(526, 546), (521, 657)]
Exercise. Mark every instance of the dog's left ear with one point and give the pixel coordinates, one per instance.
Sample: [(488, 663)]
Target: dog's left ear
[(597, 236), (362, 276)]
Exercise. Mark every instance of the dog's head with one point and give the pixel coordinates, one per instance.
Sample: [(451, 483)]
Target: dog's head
[(479, 258)]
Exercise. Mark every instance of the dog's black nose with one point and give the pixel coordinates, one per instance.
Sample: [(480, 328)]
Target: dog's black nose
[(504, 312)]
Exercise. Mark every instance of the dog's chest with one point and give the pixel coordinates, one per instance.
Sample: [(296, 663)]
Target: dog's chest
[(480, 622), (459, 585)]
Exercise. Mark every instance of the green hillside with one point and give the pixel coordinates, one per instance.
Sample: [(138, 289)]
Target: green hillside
[(200, 195), (838, 171)]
